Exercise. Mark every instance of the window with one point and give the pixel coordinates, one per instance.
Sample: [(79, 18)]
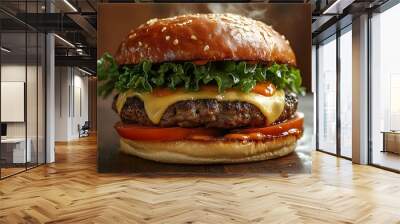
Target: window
[(326, 100), (385, 89), (346, 92), (22, 77)]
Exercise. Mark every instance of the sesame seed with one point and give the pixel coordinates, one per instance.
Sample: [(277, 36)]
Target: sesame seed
[(176, 42), (140, 44), (132, 36), (206, 48), (163, 29), (151, 21), (167, 37), (193, 37)]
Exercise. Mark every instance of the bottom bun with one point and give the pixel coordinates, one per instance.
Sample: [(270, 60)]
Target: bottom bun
[(207, 152)]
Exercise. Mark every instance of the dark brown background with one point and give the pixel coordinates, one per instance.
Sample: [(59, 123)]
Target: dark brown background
[(114, 23)]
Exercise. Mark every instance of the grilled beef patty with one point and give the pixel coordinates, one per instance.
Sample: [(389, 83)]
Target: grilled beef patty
[(205, 113)]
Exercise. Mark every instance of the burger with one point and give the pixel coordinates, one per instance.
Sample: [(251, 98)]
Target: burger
[(204, 88)]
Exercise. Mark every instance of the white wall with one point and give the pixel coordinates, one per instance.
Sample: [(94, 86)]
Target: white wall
[(13, 73), (62, 81), (10, 73), (80, 110), (34, 125), (71, 94)]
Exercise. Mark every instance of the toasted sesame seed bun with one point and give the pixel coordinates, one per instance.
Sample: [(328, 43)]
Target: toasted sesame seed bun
[(211, 37)]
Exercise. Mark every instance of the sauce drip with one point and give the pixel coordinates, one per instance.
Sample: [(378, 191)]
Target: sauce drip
[(237, 136), (265, 89), (259, 136)]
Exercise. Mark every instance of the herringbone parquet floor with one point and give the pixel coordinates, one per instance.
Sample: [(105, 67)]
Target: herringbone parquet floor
[(71, 191)]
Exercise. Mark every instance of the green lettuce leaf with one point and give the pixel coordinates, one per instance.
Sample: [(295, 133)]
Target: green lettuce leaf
[(145, 76)]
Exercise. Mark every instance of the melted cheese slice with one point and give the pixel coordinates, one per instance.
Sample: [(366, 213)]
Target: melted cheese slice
[(270, 106)]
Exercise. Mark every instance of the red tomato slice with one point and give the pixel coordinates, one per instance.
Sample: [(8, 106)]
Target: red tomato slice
[(137, 132), (145, 133), (295, 123)]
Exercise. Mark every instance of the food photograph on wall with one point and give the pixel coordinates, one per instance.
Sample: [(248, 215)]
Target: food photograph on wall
[(204, 88)]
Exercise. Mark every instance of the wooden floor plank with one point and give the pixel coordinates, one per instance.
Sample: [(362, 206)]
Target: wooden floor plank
[(71, 191)]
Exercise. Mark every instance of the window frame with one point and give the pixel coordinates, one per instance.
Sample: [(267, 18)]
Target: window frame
[(31, 30), (336, 35), (380, 9)]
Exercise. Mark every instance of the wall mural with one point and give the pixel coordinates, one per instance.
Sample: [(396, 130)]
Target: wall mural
[(204, 88)]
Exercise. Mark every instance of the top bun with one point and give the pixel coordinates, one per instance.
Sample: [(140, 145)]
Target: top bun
[(211, 37)]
